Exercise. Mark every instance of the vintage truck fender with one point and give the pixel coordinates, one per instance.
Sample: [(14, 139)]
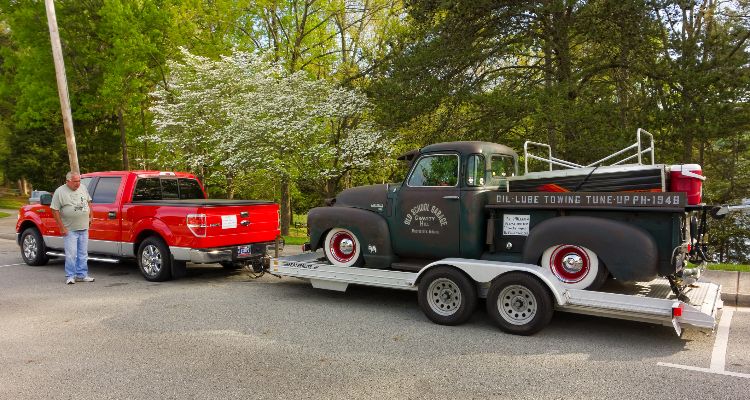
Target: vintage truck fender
[(485, 271), (630, 253), (144, 228), (370, 228)]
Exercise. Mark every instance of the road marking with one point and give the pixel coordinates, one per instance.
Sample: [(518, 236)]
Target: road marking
[(11, 265), (719, 354)]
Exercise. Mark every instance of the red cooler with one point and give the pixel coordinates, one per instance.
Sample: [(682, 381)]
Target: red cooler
[(687, 178)]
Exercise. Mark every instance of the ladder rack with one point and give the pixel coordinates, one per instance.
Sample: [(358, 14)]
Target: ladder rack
[(637, 147)]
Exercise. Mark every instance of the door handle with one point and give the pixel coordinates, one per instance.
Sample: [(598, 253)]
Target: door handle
[(112, 215), (451, 197)]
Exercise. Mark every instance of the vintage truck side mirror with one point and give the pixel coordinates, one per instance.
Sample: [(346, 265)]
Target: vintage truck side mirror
[(45, 199)]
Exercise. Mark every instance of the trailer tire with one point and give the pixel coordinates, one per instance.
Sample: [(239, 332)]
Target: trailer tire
[(576, 267), (342, 248), (519, 303), (155, 260), (33, 251), (447, 296)]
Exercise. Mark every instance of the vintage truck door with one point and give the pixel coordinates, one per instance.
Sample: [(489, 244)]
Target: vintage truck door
[(426, 209)]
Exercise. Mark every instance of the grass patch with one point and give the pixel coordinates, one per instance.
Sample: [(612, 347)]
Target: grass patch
[(729, 267), (11, 202), (295, 240), (4, 214), (298, 231)]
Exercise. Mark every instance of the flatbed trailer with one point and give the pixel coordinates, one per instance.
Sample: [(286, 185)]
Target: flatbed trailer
[(521, 297)]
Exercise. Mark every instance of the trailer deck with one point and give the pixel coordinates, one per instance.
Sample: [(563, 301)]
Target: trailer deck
[(651, 302)]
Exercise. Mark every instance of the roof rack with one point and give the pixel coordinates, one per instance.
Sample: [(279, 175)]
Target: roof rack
[(637, 147)]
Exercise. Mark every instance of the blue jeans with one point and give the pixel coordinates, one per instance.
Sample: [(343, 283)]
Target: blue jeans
[(76, 253)]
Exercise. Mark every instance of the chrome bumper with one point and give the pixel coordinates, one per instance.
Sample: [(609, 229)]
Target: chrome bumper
[(215, 255)]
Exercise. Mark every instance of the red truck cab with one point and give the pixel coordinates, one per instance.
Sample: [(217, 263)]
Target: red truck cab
[(163, 219)]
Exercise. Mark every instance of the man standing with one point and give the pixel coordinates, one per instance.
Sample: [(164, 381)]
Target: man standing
[(72, 211)]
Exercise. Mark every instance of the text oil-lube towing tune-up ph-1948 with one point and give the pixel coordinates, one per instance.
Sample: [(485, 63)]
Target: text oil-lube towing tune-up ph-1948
[(612, 238)]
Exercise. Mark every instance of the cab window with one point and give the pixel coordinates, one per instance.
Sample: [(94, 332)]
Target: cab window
[(475, 170), (435, 170), (190, 189), (147, 189), (106, 190), (501, 168)]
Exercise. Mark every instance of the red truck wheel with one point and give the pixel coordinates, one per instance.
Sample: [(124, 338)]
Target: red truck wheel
[(576, 267), (342, 248), (155, 260), (33, 251)]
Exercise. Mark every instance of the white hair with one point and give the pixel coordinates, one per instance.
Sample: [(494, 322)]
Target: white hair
[(70, 175)]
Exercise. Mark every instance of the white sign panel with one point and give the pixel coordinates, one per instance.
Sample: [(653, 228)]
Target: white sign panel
[(516, 225), (228, 221)]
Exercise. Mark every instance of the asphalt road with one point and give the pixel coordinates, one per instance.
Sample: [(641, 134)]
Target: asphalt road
[(219, 334)]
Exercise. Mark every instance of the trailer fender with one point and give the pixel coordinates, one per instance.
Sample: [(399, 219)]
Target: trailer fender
[(485, 271), (370, 229), (629, 252)]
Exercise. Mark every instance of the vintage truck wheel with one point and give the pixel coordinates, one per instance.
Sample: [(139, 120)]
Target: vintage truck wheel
[(33, 251), (447, 296), (154, 260), (519, 303), (342, 248), (576, 267)]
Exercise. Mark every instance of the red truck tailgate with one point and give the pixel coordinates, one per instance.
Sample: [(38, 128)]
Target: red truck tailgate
[(241, 224)]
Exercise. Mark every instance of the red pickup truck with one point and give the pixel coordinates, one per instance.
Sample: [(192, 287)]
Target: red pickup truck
[(162, 219)]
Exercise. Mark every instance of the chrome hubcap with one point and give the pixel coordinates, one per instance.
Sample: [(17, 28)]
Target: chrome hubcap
[(151, 260), (443, 296), (29, 247), (346, 246), (517, 304), (572, 263)]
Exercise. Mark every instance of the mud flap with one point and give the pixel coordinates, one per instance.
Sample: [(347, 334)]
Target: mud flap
[(179, 269)]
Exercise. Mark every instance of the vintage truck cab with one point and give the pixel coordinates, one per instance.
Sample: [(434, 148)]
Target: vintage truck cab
[(468, 200)]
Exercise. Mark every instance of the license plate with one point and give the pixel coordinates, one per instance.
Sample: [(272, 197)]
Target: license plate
[(244, 251)]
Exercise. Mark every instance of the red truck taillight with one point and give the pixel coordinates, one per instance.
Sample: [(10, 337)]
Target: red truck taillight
[(197, 224)]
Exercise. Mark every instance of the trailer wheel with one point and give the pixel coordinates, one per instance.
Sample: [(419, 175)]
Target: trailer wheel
[(447, 296), (576, 267), (33, 251), (342, 248), (519, 303), (154, 260)]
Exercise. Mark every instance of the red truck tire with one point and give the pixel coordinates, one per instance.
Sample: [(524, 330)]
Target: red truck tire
[(33, 251), (155, 260)]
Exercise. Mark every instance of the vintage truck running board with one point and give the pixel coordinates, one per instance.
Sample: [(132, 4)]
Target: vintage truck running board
[(651, 302)]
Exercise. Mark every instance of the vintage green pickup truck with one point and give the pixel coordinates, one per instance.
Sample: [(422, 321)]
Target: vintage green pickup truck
[(621, 216)]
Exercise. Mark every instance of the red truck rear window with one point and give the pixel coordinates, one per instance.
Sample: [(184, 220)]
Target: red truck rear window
[(167, 189)]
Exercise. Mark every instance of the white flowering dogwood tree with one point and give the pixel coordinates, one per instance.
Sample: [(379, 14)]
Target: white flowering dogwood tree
[(240, 114)]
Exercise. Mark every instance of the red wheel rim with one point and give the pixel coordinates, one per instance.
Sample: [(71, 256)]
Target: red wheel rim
[(570, 264), (343, 246)]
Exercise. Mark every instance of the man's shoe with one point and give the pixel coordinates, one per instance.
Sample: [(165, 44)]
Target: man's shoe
[(70, 281), (84, 279)]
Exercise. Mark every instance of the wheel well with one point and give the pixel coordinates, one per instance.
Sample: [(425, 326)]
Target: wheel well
[(432, 268), (544, 284), (25, 225), (143, 236)]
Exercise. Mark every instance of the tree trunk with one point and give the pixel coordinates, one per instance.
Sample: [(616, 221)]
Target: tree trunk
[(123, 141), (286, 214)]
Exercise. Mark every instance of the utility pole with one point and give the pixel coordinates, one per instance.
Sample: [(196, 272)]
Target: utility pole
[(62, 86)]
